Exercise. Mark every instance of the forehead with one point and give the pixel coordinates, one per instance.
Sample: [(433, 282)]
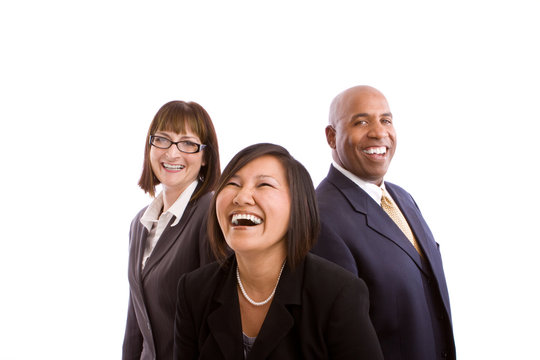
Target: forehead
[(181, 134), (367, 102), (264, 166), (180, 124)]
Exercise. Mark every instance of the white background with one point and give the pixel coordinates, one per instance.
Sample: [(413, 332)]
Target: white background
[(81, 81)]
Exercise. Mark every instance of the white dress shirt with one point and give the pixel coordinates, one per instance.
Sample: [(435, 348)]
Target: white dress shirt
[(374, 191), (156, 223)]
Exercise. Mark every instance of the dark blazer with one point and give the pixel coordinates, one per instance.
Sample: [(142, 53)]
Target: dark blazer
[(319, 311), (410, 308), (152, 301)]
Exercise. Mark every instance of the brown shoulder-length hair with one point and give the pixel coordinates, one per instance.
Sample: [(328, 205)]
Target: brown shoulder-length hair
[(303, 227), (174, 116)]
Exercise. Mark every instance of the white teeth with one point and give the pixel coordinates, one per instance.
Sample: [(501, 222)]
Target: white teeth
[(376, 150), (254, 219), (173, 167)]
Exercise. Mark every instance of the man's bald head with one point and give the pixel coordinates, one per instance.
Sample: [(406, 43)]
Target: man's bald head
[(343, 100)]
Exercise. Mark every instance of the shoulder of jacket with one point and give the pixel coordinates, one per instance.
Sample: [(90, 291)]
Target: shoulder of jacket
[(202, 203), (327, 272), (395, 187), (137, 219), (205, 274)]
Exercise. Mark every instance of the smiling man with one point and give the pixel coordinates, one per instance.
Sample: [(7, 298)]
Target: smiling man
[(374, 229)]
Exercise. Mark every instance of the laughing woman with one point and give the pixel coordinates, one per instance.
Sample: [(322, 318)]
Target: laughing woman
[(168, 238), (270, 299)]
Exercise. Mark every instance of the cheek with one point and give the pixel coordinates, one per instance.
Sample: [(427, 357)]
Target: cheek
[(286, 217), (348, 143), (154, 161), (356, 138), (196, 161), (222, 202), (283, 212), (153, 155)]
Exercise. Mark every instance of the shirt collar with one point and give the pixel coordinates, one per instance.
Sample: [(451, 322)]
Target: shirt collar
[(177, 209), (153, 212), (374, 191)]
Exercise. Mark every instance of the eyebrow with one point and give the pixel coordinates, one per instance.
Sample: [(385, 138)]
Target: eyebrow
[(266, 177), (260, 177), (359, 115), (355, 116), (182, 138)]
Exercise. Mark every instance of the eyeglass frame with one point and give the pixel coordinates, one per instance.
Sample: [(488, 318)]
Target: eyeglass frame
[(199, 146)]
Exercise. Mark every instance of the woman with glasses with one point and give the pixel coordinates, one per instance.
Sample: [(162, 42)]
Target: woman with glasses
[(270, 298), (168, 238)]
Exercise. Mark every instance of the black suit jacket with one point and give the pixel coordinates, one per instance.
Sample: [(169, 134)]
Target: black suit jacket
[(410, 307), (319, 311), (180, 249)]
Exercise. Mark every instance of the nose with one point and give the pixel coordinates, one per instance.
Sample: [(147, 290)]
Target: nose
[(173, 151), (377, 130), (244, 196)]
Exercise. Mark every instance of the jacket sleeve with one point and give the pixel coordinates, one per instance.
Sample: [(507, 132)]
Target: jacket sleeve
[(350, 333), (332, 247), (133, 340)]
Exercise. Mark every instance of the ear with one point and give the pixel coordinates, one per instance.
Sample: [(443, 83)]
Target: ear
[(203, 162), (331, 136)]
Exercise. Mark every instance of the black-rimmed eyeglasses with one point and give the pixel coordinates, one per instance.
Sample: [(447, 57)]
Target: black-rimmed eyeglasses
[(184, 146)]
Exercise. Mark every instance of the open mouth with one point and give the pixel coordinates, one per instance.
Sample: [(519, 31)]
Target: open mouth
[(376, 150), (245, 220), (173, 167)]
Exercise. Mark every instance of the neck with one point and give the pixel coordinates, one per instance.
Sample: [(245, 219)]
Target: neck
[(170, 196), (259, 275)]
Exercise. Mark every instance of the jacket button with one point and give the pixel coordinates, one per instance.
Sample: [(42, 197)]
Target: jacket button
[(444, 355)]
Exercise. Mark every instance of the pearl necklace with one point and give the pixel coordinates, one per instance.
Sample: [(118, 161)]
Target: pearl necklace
[(251, 301)]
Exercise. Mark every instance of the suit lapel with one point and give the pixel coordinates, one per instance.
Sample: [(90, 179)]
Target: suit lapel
[(425, 239), (377, 219), (224, 322), (416, 223), (276, 326), (169, 236), (138, 251), (279, 321)]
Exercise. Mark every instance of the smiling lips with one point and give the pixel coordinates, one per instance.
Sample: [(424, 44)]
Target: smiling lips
[(245, 220), (380, 150), (173, 167)]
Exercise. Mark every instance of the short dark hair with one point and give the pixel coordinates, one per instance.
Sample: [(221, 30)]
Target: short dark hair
[(173, 116), (303, 227)]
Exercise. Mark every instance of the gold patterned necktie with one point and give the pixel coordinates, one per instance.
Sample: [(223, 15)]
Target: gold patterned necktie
[(390, 207)]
